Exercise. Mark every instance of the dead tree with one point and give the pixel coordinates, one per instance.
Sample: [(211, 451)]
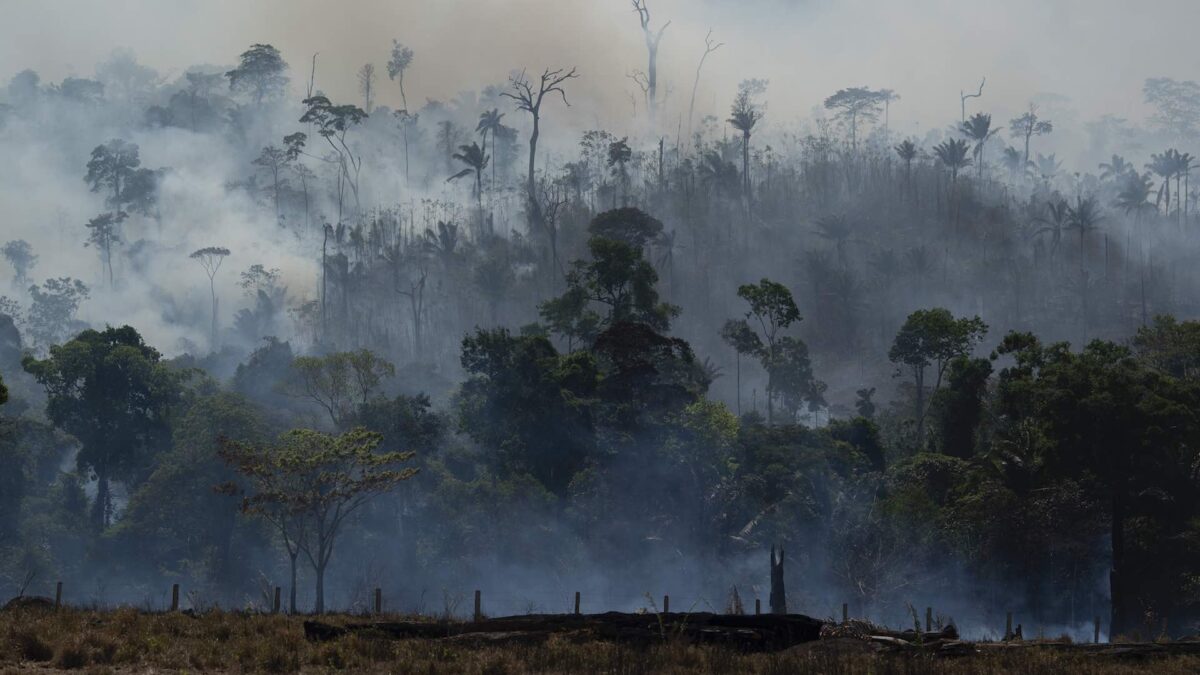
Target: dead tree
[(652, 40), (964, 96), (709, 47), (778, 594), (531, 102)]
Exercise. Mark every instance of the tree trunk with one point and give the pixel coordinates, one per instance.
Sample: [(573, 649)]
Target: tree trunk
[(535, 209), (920, 409), (103, 497), (292, 590), (1116, 581), (320, 605)]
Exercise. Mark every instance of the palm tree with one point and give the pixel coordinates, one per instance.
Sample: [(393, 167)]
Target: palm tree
[(1163, 166), (953, 154), (1134, 194), (1085, 216), (489, 123), (444, 243), (743, 115), (978, 128), (1058, 215), (473, 156), (837, 229), (1013, 161), (1115, 168), (1048, 166), (907, 150)]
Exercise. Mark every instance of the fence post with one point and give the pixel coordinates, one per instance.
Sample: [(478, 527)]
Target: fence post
[(845, 612), (666, 604), (576, 603), (275, 607), (1096, 636), (378, 600), (928, 619), (757, 606), (478, 615), (1008, 634), (58, 595), (174, 597)]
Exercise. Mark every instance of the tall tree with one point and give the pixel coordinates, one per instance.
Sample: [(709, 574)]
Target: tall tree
[(314, 482), (979, 129), (476, 160), (652, 39), (111, 166), (932, 338), (261, 72), (104, 233), (854, 105), (210, 258), (744, 115), (490, 123), (527, 99), (20, 255), (1027, 126), (333, 123), (397, 66), (366, 85), (710, 46), (110, 390)]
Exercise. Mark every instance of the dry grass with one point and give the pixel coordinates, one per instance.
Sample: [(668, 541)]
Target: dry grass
[(130, 641)]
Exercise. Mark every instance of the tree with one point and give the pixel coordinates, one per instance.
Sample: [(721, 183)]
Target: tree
[(744, 114), (490, 123), (652, 39), (111, 166), (1176, 105), (629, 224), (275, 161), (333, 123), (784, 358), (619, 154), (20, 255), (1056, 220), (261, 72), (907, 151), (979, 129), (51, 316), (854, 105), (953, 155), (476, 160), (110, 390), (617, 277), (1027, 126), (522, 92), (398, 64), (710, 46), (310, 483), (932, 337), (104, 233), (366, 85), (340, 383), (210, 258)]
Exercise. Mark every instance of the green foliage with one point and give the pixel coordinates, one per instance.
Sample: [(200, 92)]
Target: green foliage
[(260, 72), (618, 278), (957, 410), (629, 225), (111, 392), (339, 383)]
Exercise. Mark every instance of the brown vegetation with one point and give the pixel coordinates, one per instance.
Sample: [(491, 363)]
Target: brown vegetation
[(128, 641)]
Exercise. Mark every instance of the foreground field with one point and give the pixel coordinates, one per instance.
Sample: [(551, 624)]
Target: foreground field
[(130, 641)]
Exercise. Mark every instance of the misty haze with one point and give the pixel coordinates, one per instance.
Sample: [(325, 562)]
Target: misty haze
[(622, 335)]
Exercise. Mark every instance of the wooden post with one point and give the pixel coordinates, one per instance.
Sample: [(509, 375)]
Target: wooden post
[(174, 597), (1008, 634), (757, 606), (928, 619), (666, 604), (58, 595), (478, 614), (845, 612), (1096, 635), (275, 607), (378, 600), (576, 603)]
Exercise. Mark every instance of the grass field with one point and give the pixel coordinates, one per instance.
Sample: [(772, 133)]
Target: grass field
[(131, 641)]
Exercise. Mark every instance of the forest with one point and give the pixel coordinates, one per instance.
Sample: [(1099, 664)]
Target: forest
[(253, 334)]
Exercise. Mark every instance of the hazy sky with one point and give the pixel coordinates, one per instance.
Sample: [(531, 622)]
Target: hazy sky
[(1097, 52)]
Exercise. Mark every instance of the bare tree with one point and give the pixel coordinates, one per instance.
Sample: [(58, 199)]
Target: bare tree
[(652, 40), (964, 96), (710, 46), (210, 258), (551, 81), (366, 85)]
